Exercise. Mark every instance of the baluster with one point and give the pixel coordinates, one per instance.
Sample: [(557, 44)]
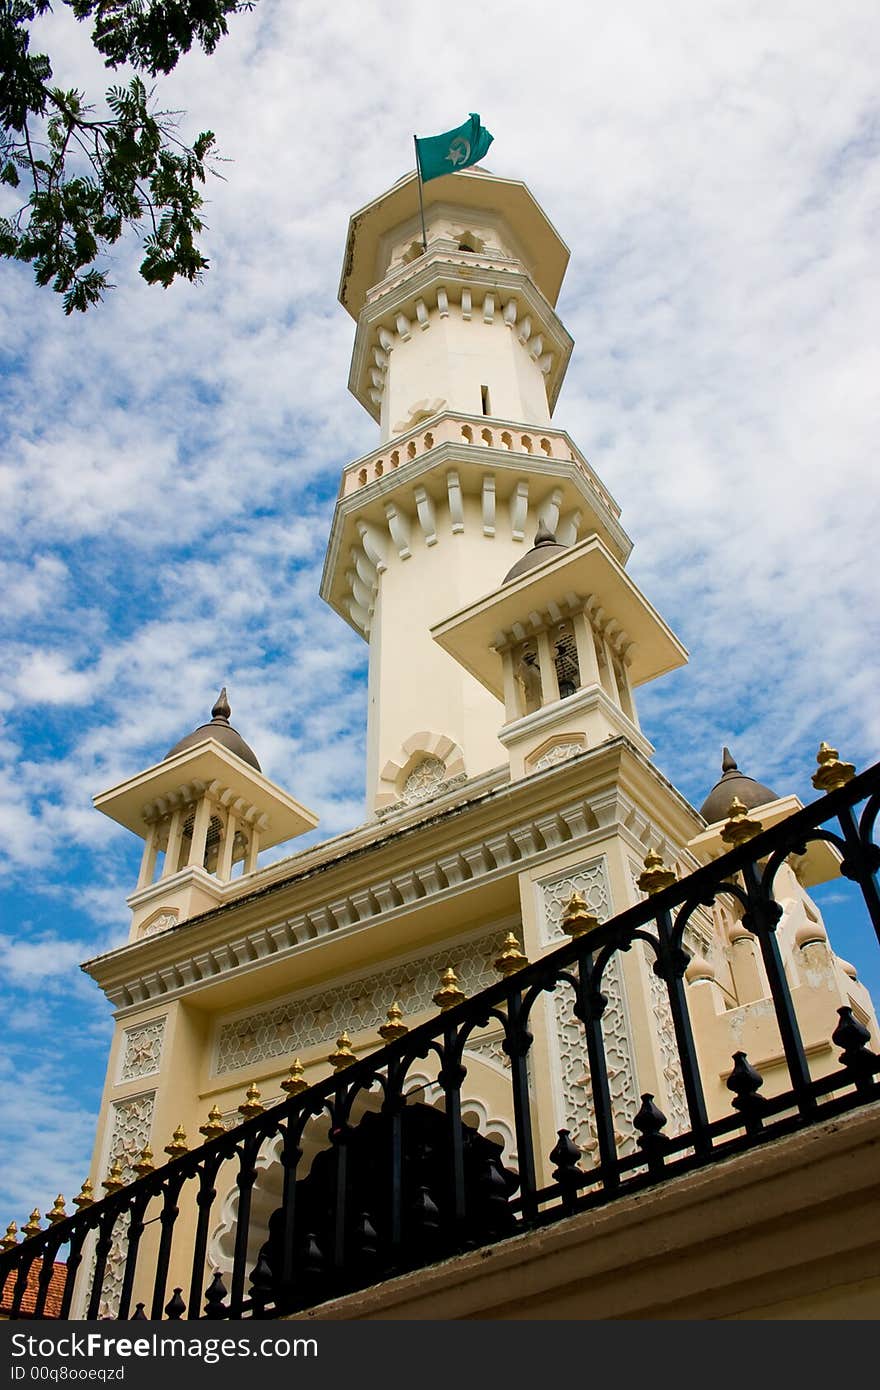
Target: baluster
[(589, 1008), (102, 1250), (291, 1155), (135, 1231), (247, 1176), (451, 1076), (853, 1037), (650, 1121), (394, 1104), (517, 1043), (566, 1156), (204, 1201), (24, 1268), (861, 861), (45, 1278), (670, 966), (262, 1285), (175, 1307), (215, 1293), (74, 1260), (745, 1082), (366, 1249), (762, 917), (340, 1134), (167, 1218), (138, 1315)]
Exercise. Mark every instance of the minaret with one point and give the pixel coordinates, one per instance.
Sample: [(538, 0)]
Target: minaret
[(459, 356)]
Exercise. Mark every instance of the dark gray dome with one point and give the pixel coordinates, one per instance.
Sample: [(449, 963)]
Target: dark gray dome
[(733, 783), (221, 730), (546, 547)]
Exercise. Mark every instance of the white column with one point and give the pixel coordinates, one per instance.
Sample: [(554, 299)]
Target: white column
[(511, 693), (224, 863), (200, 832), (549, 683), (148, 858), (588, 662), (253, 850), (172, 852)]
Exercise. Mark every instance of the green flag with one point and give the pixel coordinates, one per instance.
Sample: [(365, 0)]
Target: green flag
[(456, 149)]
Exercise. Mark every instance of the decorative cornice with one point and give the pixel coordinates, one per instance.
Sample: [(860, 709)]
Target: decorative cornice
[(433, 860)]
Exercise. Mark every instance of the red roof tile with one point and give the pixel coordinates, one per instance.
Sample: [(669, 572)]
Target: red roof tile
[(54, 1294)]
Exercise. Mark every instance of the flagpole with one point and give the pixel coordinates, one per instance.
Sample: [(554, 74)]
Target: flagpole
[(421, 201)]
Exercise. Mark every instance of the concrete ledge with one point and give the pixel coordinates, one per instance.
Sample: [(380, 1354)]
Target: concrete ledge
[(789, 1230)]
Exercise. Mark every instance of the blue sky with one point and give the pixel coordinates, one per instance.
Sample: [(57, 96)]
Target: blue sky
[(169, 461)]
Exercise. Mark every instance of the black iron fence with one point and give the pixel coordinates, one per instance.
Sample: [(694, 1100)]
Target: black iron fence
[(411, 1183)]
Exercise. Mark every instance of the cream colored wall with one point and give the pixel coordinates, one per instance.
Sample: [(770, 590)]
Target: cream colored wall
[(452, 359), (413, 684)]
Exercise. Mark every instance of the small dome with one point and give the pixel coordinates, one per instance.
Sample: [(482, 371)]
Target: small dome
[(221, 730), (733, 783), (546, 547)]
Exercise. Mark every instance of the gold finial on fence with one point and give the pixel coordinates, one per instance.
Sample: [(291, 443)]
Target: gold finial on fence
[(577, 919), (178, 1146), (57, 1213), (252, 1104), (739, 826), (449, 994), (295, 1082), (343, 1056), (33, 1227), (213, 1126), (511, 958), (144, 1164), (11, 1237), (655, 876), (114, 1181), (831, 772), (394, 1028), (85, 1197)]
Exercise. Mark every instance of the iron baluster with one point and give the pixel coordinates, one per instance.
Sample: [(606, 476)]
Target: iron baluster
[(167, 1218), (21, 1282), (135, 1231), (339, 1135), (74, 1260), (670, 966), (590, 1005), (761, 917), (44, 1279), (290, 1157), (451, 1076), (204, 1201), (247, 1176), (394, 1106), (102, 1251), (517, 1042)]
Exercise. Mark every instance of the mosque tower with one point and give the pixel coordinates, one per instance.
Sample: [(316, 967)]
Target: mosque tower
[(459, 356)]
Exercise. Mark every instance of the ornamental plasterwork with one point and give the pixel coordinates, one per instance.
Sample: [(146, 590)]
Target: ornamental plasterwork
[(130, 1132), (674, 1102), (161, 922), (290, 1028), (424, 780), (591, 881), (489, 1048), (142, 1050), (560, 753)]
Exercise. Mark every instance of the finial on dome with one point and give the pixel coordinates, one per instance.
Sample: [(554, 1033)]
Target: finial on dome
[(544, 536), (221, 711), (728, 761)]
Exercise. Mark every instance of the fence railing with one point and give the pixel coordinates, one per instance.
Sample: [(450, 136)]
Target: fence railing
[(409, 1183)]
